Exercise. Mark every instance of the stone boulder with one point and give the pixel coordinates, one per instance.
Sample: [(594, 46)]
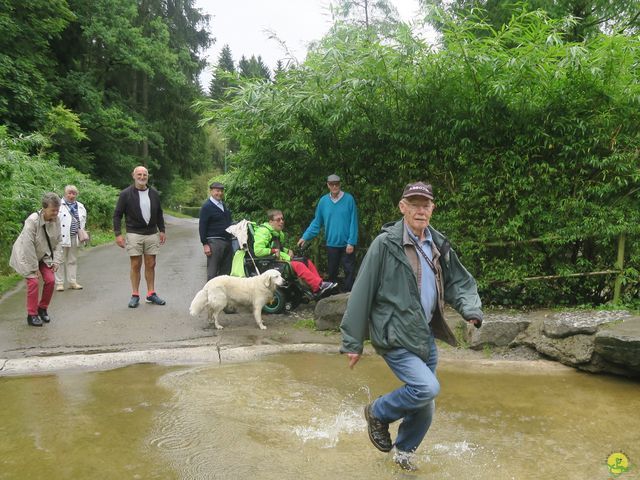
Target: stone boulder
[(594, 341), (566, 324), (571, 350), (498, 330), (329, 311), (620, 344)]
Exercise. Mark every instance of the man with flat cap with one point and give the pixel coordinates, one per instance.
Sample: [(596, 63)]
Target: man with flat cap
[(397, 301), (338, 214), (215, 217)]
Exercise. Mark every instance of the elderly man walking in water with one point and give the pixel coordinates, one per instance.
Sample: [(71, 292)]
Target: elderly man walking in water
[(398, 299)]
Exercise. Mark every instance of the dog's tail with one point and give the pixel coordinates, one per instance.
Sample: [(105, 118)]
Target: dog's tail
[(198, 303)]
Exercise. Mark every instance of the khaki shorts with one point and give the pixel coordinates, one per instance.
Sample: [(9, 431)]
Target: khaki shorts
[(137, 244)]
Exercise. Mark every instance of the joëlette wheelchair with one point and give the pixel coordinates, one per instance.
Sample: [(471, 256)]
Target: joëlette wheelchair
[(294, 291)]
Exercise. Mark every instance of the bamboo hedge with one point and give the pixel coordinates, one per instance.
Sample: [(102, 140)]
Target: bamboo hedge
[(523, 134)]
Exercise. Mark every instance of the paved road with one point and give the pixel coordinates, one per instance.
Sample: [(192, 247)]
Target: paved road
[(97, 318), (98, 315)]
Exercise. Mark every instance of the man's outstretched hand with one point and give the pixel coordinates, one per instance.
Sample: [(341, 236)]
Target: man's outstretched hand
[(353, 359)]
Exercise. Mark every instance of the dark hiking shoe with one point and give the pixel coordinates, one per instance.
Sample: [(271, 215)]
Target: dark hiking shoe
[(44, 316), (325, 286), (405, 461), (378, 431), (134, 302), (34, 321), (155, 299)]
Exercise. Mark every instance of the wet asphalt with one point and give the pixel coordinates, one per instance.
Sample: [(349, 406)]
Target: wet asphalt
[(97, 318), (93, 328)]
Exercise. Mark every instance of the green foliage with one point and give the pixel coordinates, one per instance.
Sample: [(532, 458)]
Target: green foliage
[(307, 323), (188, 193), (111, 82), (253, 68), (529, 139), (26, 65), (584, 18), (460, 332), (7, 282), (63, 126), (375, 16), (224, 75), (26, 174)]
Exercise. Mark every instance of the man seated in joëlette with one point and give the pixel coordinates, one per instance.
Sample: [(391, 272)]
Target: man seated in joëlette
[(269, 239)]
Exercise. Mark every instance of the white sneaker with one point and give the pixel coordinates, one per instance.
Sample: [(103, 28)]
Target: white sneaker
[(59, 287)]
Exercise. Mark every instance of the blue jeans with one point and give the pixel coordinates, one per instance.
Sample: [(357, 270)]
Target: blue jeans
[(414, 402)]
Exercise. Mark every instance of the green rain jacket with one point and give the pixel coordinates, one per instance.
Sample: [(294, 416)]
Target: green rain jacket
[(384, 304), (265, 237)]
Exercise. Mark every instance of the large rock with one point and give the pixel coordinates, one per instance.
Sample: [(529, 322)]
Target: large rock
[(574, 350), (566, 324), (329, 311), (607, 342), (498, 330), (620, 344)]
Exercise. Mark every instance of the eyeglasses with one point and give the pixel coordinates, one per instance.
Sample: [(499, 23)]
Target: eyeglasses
[(279, 219), (423, 206), (334, 184)]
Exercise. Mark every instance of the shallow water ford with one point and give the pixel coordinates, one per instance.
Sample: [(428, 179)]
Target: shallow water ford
[(299, 416)]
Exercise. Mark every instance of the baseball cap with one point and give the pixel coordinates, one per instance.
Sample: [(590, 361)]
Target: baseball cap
[(216, 185), (333, 178), (418, 189)]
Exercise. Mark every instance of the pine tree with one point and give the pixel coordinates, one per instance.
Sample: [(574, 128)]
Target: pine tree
[(253, 68), (224, 75), (279, 70)]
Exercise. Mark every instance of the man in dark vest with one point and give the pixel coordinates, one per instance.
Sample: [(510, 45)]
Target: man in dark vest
[(215, 217)]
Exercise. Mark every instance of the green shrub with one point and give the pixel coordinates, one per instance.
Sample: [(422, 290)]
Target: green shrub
[(26, 174)]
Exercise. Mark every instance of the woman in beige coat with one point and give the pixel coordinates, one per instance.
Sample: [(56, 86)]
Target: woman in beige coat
[(36, 254)]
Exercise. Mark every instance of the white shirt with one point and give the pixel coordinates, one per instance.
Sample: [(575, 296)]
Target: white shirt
[(337, 198), (145, 205), (217, 203)]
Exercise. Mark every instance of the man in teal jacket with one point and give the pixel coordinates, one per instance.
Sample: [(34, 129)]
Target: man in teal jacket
[(269, 239), (338, 214), (397, 301)]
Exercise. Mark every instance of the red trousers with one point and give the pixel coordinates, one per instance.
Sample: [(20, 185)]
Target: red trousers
[(308, 273), (33, 289)]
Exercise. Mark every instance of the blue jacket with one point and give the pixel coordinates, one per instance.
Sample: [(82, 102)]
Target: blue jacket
[(340, 221), (214, 222)]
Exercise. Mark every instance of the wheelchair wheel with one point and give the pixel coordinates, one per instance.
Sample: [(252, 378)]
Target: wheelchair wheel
[(277, 305)]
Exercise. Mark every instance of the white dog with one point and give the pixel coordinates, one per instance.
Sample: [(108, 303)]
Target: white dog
[(223, 291)]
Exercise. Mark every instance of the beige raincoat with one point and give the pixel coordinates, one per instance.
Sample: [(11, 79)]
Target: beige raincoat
[(31, 246)]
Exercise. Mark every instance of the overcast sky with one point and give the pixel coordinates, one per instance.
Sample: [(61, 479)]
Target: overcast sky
[(244, 25)]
